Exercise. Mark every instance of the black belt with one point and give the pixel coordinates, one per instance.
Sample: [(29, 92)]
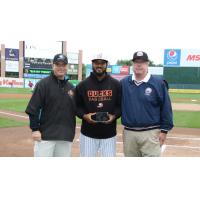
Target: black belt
[(142, 129)]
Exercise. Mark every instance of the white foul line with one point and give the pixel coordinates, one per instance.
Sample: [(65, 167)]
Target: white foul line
[(187, 147), (10, 114), (183, 138)]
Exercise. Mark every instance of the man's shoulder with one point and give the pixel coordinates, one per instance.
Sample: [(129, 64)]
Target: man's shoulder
[(113, 80), (85, 81), (126, 79), (157, 81)]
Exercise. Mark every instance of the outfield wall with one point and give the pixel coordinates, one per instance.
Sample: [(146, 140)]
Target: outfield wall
[(23, 82), (183, 77)]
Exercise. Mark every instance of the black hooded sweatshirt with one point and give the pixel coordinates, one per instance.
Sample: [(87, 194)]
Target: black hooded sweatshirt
[(93, 96), (52, 109)]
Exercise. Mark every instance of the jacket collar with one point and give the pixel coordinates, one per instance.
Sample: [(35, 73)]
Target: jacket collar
[(56, 79), (145, 80)]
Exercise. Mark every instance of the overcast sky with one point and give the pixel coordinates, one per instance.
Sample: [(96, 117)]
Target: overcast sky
[(116, 28)]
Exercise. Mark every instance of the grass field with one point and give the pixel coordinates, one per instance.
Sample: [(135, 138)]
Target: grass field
[(181, 118), (185, 98), (5, 123), (18, 105), (186, 119), (15, 91)]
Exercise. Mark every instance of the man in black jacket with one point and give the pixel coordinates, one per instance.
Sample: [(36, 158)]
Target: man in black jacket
[(98, 105), (52, 112)]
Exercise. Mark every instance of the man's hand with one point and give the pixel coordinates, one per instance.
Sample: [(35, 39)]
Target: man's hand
[(111, 119), (88, 118), (36, 136), (162, 138)]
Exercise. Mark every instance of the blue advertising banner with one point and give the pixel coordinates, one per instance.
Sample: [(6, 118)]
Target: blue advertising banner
[(37, 76), (12, 54), (172, 57), (116, 69)]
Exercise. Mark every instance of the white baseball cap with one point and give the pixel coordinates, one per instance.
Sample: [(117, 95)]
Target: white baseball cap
[(99, 56)]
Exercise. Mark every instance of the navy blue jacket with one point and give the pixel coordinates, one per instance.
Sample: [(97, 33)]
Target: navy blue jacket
[(146, 105)]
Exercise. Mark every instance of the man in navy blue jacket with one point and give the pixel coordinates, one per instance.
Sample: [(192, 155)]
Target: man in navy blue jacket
[(146, 110)]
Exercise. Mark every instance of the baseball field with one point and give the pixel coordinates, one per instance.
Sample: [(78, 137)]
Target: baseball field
[(15, 135)]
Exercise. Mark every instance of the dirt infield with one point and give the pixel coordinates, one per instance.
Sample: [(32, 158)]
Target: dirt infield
[(17, 142), (186, 106), (15, 96)]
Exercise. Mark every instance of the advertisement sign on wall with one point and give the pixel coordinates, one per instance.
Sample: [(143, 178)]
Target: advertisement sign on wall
[(182, 57), (37, 76), (72, 69), (172, 57), (38, 63), (12, 82), (30, 83), (12, 60), (12, 54), (190, 58), (72, 58)]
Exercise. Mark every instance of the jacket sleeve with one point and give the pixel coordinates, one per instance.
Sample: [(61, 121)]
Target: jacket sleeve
[(35, 105), (80, 111), (117, 111), (166, 111)]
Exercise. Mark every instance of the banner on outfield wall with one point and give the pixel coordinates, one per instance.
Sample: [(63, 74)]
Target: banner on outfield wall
[(12, 54), (190, 58), (115, 70), (182, 57), (37, 63), (12, 82), (30, 83), (37, 76), (12, 60), (119, 72), (72, 58), (72, 69)]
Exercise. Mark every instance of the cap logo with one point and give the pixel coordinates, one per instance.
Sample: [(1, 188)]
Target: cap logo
[(139, 53), (99, 56)]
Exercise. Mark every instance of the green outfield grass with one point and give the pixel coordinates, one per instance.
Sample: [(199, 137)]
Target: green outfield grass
[(5, 123), (18, 105), (185, 98), (187, 119), (181, 119), (15, 91)]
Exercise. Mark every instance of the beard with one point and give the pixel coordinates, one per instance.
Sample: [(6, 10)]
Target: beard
[(99, 74)]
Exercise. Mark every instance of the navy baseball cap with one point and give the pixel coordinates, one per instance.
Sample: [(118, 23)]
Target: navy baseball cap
[(140, 55), (60, 58)]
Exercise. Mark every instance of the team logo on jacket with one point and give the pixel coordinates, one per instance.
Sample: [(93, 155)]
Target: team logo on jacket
[(99, 95), (148, 91), (70, 93), (100, 105)]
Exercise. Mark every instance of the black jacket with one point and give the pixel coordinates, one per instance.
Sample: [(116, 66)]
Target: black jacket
[(52, 109), (92, 96)]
